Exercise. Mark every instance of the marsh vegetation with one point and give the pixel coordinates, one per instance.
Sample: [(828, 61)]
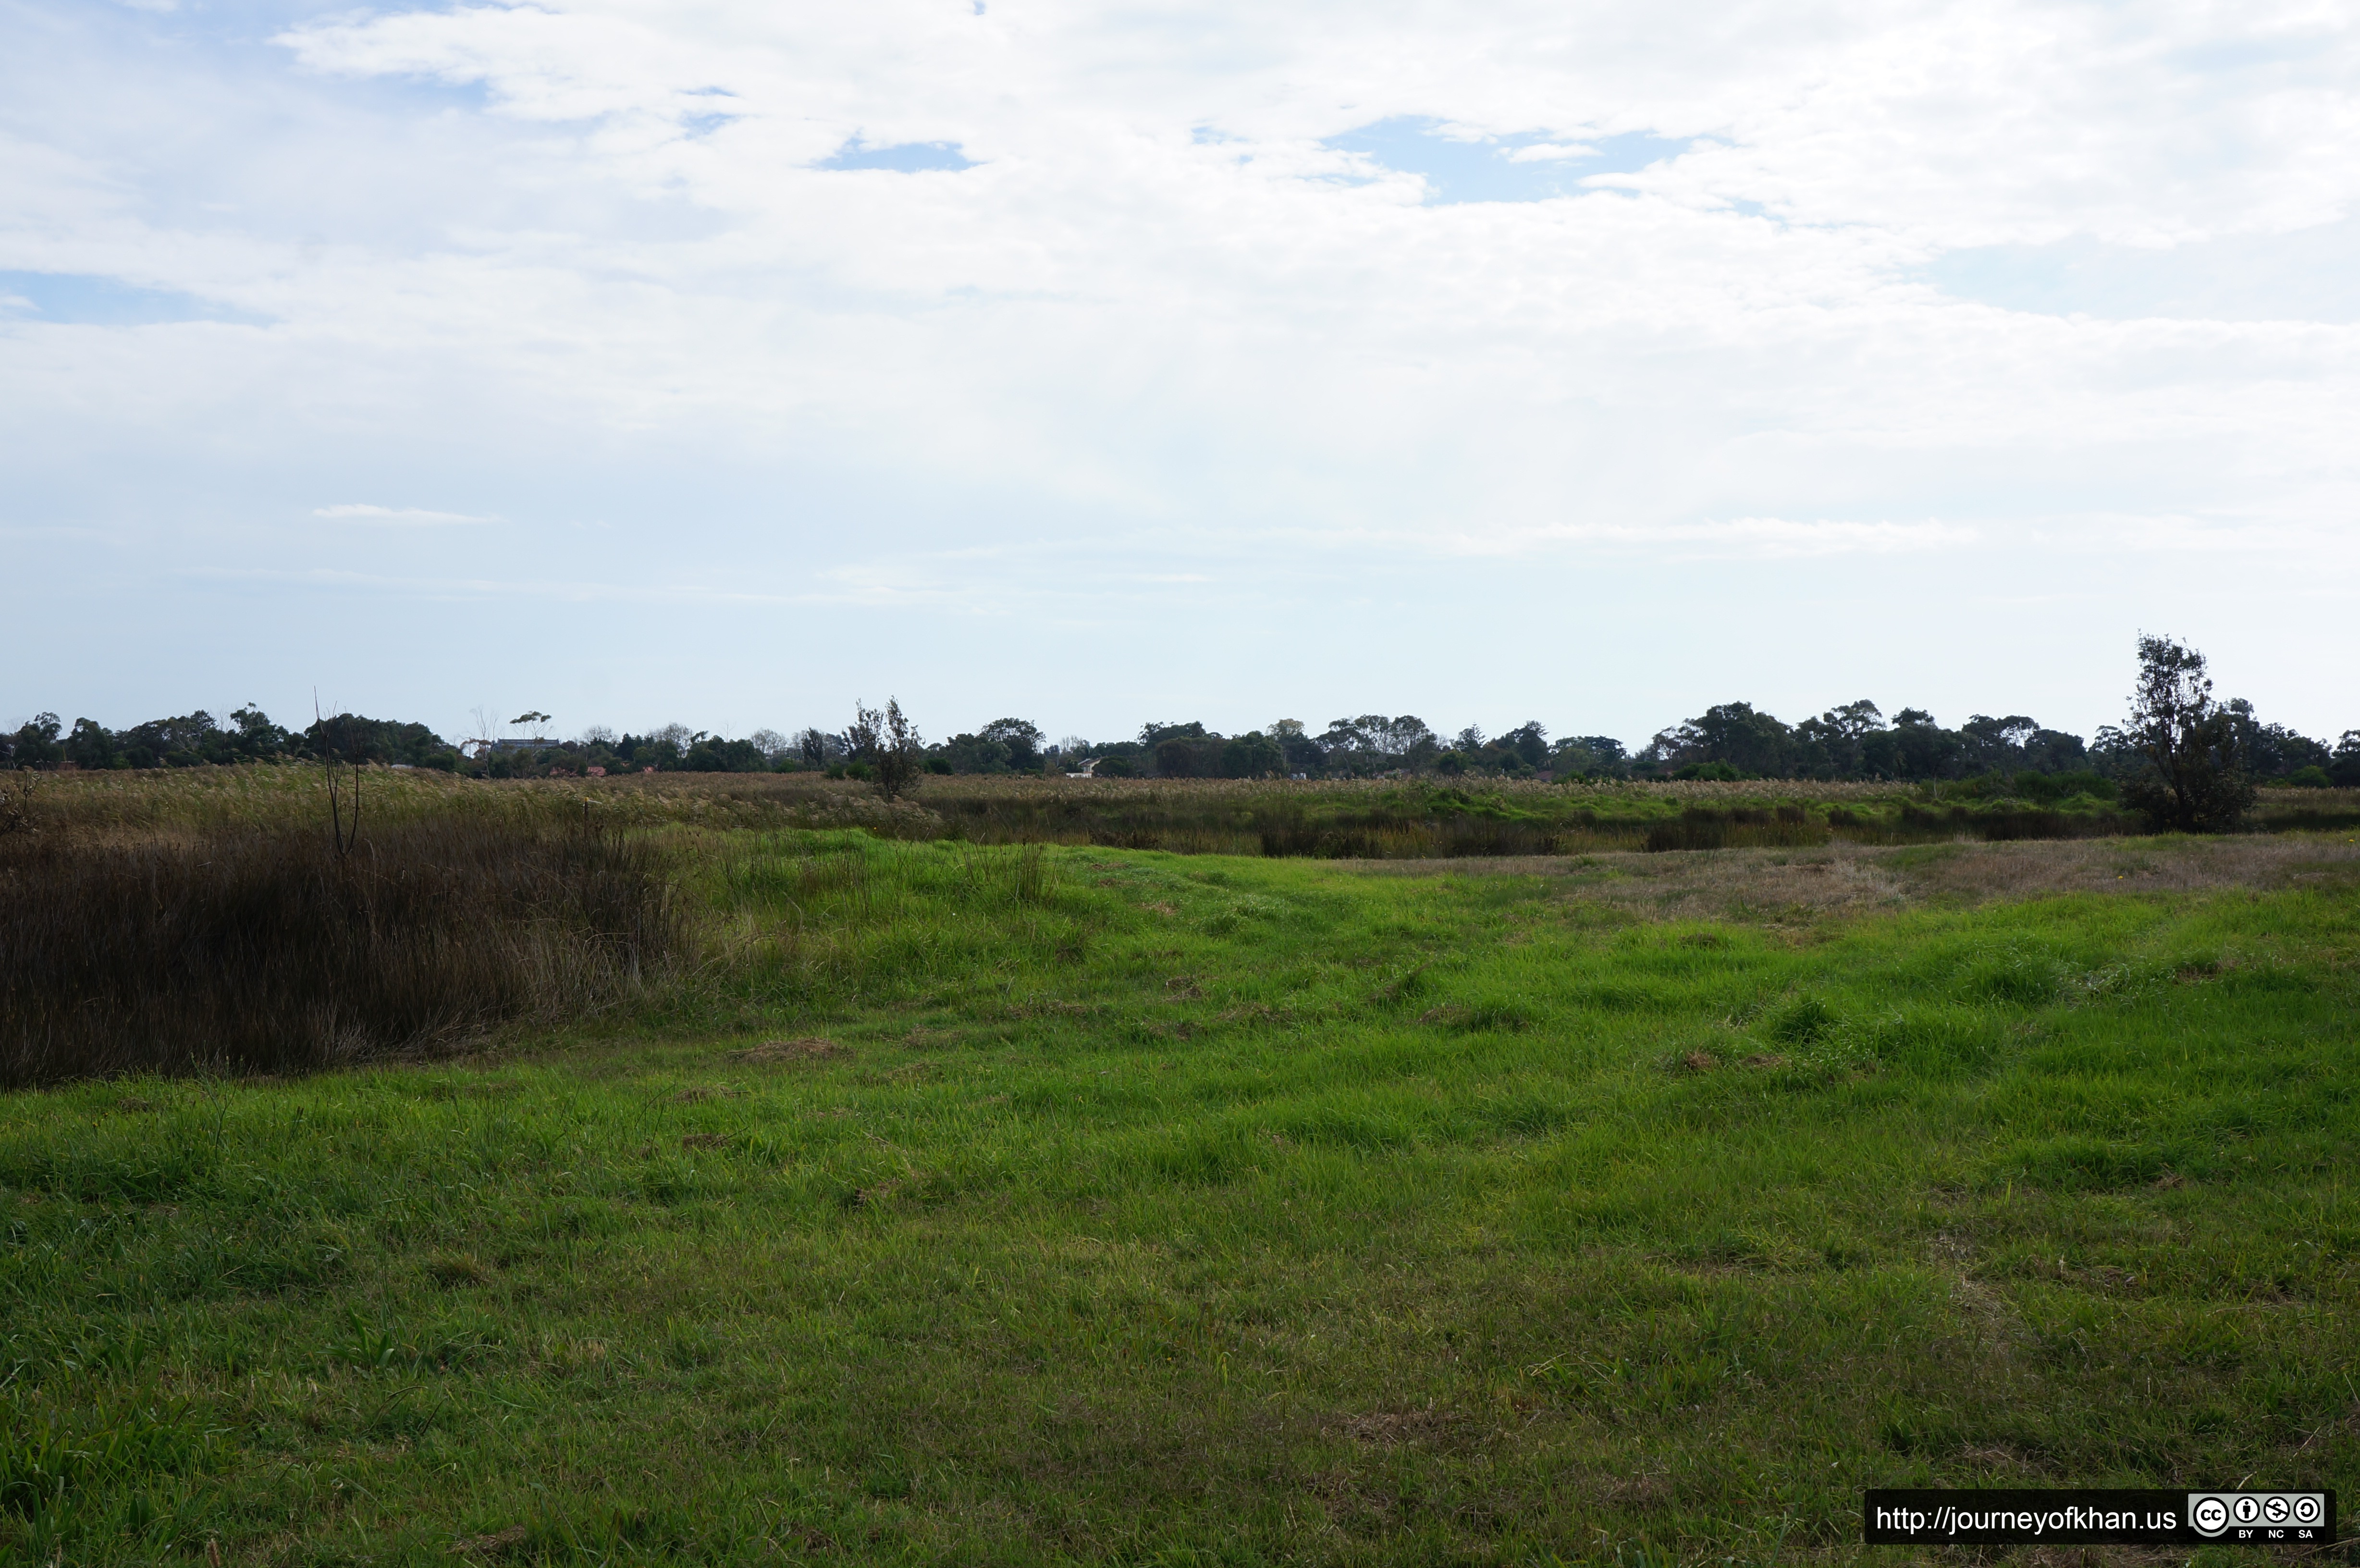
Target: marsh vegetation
[(939, 1199)]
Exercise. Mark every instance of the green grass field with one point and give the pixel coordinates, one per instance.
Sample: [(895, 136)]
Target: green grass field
[(1078, 1206)]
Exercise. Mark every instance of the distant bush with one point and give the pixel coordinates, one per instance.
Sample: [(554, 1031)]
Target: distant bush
[(887, 745), (710, 754), (2027, 784), (2312, 777), (2191, 773)]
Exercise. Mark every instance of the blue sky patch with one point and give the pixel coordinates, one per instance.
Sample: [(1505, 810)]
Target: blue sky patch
[(705, 122), (87, 299), (904, 158), (2309, 275), (1527, 167)]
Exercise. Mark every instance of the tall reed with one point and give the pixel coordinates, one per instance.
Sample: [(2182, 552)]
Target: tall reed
[(258, 948)]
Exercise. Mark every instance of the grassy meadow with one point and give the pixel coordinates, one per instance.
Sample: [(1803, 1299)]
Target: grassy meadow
[(936, 1201)]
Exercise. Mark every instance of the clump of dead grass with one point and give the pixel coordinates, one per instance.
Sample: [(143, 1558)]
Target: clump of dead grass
[(1392, 1428)]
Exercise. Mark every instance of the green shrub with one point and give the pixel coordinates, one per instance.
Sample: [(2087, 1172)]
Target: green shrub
[(2050, 788)]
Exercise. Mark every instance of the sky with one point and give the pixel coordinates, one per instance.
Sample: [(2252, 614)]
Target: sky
[(725, 362)]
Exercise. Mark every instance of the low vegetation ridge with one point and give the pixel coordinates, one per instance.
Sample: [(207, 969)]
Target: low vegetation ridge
[(1349, 818)]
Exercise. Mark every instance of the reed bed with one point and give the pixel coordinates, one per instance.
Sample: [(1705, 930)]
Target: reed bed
[(140, 803), (258, 948), (1330, 819), (1352, 819)]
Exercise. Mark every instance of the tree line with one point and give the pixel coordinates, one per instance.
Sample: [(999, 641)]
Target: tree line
[(1727, 741), (199, 739)]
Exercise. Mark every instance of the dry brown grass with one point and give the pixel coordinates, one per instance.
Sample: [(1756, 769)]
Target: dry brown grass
[(265, 794), (1844, 878), (141, 805), (1391, 1429), (245, 947)]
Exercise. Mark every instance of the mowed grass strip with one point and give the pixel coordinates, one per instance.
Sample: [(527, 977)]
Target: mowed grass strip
[(1009, 1206)]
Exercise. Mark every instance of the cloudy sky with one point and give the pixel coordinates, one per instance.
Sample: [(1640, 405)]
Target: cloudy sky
[(723, 361)]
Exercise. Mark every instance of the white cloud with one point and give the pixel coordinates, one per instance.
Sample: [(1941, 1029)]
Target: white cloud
[(1775, 538), (574, 258), (1545, 152), (410, 515)]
